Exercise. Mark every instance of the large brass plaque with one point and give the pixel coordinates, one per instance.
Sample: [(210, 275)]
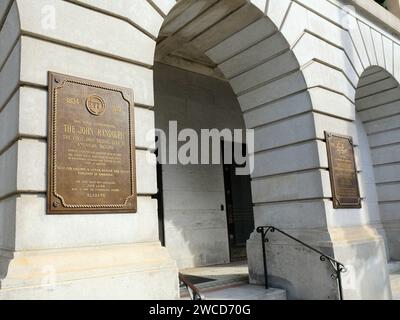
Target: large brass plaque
[(91, 147), (343, 171)]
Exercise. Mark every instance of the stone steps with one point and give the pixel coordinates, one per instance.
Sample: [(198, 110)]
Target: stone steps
[(227, 282), (395, 283), (216, 285), (239, 291), (394, 271), (235, 289), (246, 292)]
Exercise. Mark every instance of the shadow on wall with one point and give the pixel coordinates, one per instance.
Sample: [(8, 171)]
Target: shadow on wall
[(194, 195)]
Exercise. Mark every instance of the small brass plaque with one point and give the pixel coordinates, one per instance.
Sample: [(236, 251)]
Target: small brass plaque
[(343, 171), (91, 147)]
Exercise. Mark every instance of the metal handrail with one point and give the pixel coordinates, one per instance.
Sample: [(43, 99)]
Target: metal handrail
[(194, 293), (337, 266)]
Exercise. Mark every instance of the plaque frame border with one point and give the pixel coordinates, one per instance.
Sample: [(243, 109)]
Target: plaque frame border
[(55, 202), (337, 203)]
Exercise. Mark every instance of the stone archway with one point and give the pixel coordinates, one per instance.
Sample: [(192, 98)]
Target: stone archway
[(234, 41), (378, 109)]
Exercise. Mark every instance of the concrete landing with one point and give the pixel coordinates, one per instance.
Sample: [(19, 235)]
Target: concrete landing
[(394, 271), (229, 282), (246, 292)]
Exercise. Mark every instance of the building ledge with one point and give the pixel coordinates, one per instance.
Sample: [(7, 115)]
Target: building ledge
[(376, 12)]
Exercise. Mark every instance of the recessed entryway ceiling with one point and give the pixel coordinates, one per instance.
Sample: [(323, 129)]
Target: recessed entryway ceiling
[(194, 27)]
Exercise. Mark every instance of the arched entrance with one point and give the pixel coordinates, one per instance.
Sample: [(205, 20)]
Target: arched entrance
[(378, 110), (207, 210)]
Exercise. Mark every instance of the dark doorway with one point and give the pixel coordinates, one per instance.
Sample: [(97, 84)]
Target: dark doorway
[(160, 199), (239, 206)]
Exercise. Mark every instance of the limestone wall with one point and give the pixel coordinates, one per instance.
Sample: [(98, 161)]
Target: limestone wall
[(295, 74), (65, 37), (9, 76)]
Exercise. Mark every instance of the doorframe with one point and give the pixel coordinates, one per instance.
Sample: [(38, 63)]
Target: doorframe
[(160, 202), (228, 198)]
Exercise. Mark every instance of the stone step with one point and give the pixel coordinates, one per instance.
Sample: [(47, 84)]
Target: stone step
[(240, 291), (227, 282), (245, 292), (394, 267), (394, 272), (217, 284), (395, 284)]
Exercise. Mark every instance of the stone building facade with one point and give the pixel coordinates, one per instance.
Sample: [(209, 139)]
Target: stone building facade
[(290, 70)]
